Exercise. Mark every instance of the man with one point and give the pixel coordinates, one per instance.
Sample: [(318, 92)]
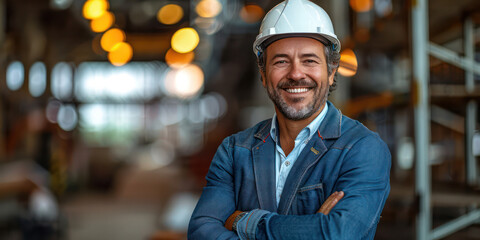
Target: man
[(309, 172)]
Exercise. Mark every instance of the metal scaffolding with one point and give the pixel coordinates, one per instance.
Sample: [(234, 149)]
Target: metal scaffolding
[(422, 48)]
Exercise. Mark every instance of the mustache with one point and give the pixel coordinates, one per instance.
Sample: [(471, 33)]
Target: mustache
[(288, 83)]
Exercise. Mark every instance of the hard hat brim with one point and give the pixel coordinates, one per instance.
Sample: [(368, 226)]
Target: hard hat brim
[(261, 44)]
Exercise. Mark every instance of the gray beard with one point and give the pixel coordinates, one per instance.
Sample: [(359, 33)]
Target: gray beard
[(320, 97)]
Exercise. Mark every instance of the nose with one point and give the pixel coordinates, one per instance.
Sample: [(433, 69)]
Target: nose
[(296, 71)]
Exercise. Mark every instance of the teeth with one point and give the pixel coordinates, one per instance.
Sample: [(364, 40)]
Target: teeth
[(297, 90)]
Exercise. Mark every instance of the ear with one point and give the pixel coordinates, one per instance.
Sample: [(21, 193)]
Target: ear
[(332, 77), (264, 79)]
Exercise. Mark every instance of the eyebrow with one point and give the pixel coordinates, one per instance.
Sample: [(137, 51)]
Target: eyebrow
[(280, 55), (305, 55)]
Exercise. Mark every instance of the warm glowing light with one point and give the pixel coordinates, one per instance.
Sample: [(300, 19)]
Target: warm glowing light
[(170, 14), (120, 54), (185, 40), (111, 37), (251, 13), (361, 5), (94, 8), (208, 8), (348, 63), (185, 82), (178, 60), (103, 22)]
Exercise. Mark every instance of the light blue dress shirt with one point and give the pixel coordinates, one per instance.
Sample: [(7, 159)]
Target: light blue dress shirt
[(283, 164)]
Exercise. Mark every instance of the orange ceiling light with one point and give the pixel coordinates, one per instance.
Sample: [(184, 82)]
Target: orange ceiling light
[(102, 23), (120, 54), (251, 13), (361, 5), (185, 40), (170, 14), (177, 60), (208, 8), (110, 38), (348, 63), (95, 8)]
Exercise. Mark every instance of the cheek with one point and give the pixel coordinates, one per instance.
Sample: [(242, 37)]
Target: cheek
[(272, 78), (321, 78)]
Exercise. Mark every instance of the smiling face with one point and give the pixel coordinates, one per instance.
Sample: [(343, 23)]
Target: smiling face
[(296, 77)]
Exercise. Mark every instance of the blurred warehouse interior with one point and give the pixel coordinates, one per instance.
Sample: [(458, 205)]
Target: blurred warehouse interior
[(111, 110)]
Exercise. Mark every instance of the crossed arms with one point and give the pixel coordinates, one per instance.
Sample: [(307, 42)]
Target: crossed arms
[(363, 176), (327, 206)]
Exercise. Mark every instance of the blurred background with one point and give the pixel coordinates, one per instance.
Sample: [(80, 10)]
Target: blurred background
[(111, 110)]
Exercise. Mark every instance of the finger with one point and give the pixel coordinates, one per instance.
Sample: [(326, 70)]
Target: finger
[(326, 205), (335, 200), (332, 200)]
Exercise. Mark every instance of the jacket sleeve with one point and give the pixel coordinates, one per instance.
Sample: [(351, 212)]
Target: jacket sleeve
[(364, 178), (217, 201)]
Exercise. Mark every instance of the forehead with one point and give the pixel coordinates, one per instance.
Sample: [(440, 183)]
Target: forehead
[(295, 45)]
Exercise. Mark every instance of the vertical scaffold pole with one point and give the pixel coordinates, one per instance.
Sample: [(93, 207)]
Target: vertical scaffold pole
[(471, 113), (422, 116)]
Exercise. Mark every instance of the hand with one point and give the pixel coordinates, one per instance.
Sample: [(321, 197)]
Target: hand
[(331, 201), (231, 220)]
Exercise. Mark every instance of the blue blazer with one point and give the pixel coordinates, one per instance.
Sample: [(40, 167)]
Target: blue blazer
[(343, 156)]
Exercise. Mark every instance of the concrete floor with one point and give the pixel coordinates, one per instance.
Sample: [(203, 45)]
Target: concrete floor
[(99, 217)]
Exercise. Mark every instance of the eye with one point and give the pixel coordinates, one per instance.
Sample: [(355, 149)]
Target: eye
[(310, 61), (280, 62)]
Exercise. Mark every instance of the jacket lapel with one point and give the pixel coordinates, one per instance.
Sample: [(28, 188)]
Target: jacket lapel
[(311, 154), (264, 169)]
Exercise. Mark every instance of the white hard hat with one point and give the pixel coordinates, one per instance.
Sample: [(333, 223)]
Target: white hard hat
[(295, 18)]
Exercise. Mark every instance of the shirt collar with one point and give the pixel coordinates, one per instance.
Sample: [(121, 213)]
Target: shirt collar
[(310, 128)]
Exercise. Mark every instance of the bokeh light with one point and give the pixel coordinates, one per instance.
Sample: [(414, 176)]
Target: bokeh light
[(120, 54), (184, 82), (361, 5), (111, 38), (61, 4), (185, 40), (212, 106), (102, 23), (94, 8), (62, 81), (37, 79), (133, 82), (348, 63), (177, 60), (15, 75), (170, 14), (208, 25), (208, 8), (383, 7), (51, 112), (67, 117), (252, 13)]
